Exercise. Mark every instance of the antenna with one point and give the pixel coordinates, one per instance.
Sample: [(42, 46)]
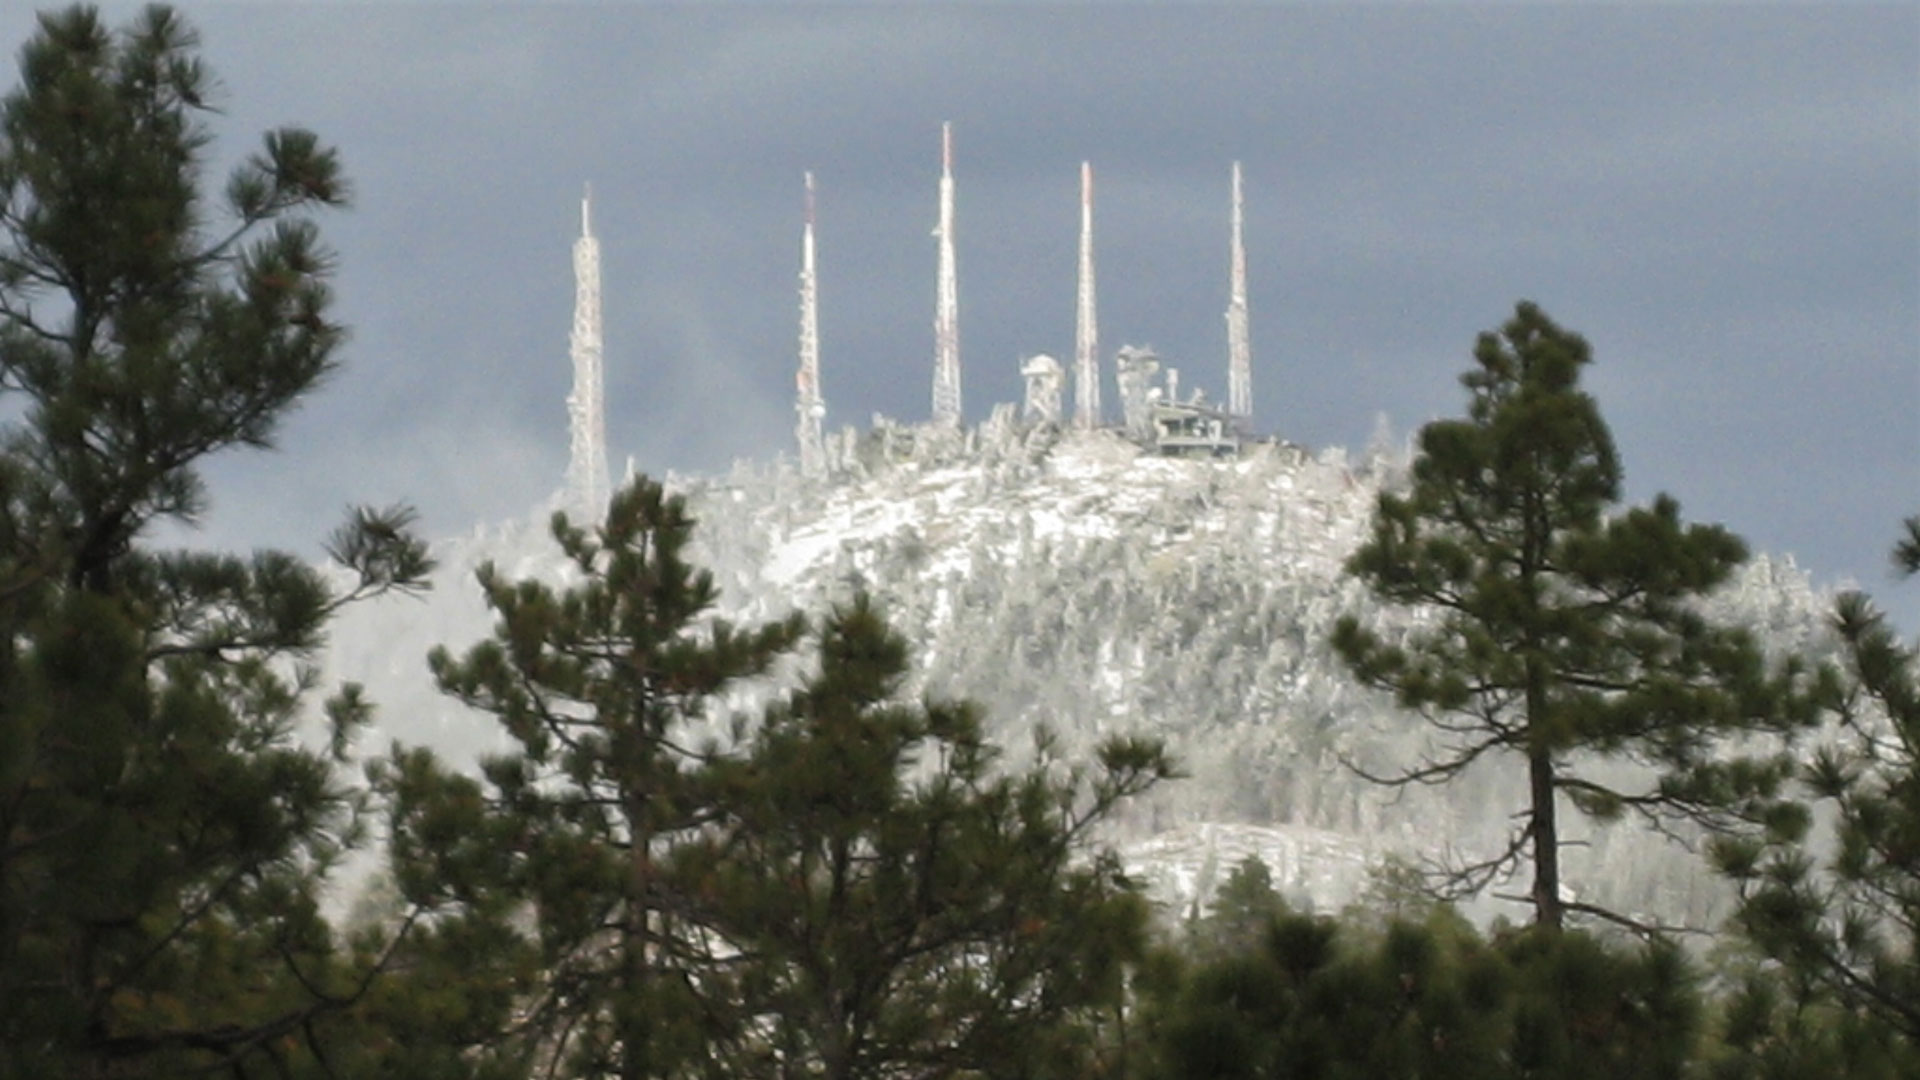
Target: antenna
[(807, 401), (946, 315), (1086, 343), (587, 487), (1239, 352)]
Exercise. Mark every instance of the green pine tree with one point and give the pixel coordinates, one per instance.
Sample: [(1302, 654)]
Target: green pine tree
[(852, 886), (1316, 999), (1781, 1023), (603, 686), (163, 833), (901, 901), (1563, 631), (1241, 909), (1844, 917)]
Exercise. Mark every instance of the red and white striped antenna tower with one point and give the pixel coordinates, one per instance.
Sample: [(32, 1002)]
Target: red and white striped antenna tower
[(946, 315), (1086, 334), (586, 414), (1239, 351), (808, 402)]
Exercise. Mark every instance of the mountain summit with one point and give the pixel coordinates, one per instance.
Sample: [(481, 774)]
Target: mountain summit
[(1075, 584)]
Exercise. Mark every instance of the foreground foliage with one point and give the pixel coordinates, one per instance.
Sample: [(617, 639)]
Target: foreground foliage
[(901, 901), (164, 837), (852, 886), (1840, 913), (1314, 998)]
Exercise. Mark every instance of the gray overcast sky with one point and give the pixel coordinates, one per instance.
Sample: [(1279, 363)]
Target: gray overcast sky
[(1724, 199)]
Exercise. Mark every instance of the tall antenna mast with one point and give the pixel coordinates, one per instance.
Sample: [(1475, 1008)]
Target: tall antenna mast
[(586, 415), (1239, 352), (1086, 336), (946, 316), (808, 402)]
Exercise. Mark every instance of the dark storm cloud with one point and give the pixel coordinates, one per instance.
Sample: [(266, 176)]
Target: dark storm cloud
[(1725, 200)]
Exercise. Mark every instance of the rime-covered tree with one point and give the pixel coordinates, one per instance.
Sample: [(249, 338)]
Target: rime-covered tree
[(1563, 630), (163, 832)]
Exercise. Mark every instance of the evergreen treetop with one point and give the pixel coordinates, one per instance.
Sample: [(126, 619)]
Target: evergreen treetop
[(1840, 911), (1564, 630), (164, 836), (850, 885)]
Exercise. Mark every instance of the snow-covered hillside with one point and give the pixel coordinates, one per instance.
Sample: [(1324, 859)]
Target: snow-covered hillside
[(1076, 583)]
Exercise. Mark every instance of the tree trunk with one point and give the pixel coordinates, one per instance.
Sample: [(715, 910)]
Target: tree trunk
[(636, 1030), (1541, 821), (1546, 841)]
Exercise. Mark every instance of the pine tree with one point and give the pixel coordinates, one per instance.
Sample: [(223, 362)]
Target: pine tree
[(1241, 910), (603, 685), (1562, 631), (1315, 998), (1847, 925), (163, 832), (851, 886), (900, 901)]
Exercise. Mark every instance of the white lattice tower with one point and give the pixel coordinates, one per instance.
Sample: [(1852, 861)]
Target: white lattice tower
[(586, 415), (808, 403), (1086, 329), (1239, 351), (946, 314)]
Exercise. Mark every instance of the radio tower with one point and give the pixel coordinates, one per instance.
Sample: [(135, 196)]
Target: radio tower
[(587, 463), (808, 403), (1239, 358), (1086, 343), (946, 315)]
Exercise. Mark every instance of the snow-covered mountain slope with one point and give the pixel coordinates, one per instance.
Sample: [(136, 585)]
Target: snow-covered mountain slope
[(1078, 584)]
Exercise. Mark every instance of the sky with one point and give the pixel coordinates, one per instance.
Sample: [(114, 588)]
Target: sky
[(1723, 199)]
